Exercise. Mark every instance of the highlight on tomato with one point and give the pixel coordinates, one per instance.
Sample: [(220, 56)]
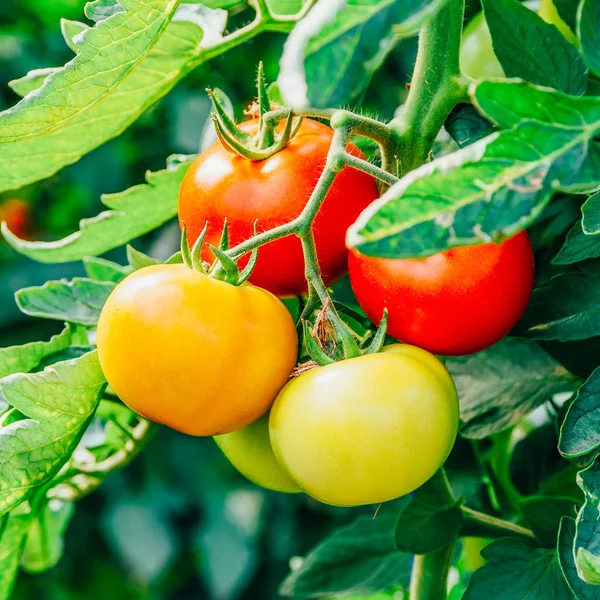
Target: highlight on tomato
[(200, 355), (368, 429), (455, 302), (222, 185)]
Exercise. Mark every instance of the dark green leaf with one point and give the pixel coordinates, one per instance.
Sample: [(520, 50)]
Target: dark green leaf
[(12, 543), (591, 214), (44, 545), (25, 358), (580, 588), (492, 188), (587, 537), (567, 10), (578, 246), (132, 213), (543, 514), (59, 403), (569, 307), (329, 61), (77, 301), (101, 269), (501, 385), (529, 48), (67, 116), (580, 431), (466, 126), (589, 33), (518, 569)]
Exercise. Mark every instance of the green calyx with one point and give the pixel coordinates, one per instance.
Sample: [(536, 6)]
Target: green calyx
[(268, 140), (224, 267)]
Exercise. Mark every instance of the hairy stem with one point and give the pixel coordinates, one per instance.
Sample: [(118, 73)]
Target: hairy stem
[(436, 85)]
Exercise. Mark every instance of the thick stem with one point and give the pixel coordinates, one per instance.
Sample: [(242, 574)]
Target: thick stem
[(429, 576), (478, 524), (436, 85)]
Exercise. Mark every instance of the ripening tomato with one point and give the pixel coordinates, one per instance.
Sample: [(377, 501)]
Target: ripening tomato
[(197, 354), (220, 185), (453, 303), (249, 451), (368, 429), (17, 215)]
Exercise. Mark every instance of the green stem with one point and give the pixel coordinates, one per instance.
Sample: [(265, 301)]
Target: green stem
[(429, 576), (478, 524), (436, 86)]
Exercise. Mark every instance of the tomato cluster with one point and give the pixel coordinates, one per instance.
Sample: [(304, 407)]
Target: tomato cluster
[(209, 358)]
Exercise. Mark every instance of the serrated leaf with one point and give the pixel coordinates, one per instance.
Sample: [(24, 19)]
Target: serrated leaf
[(580, 430), (518, 569), (132, 213), (57, 124), (44, 546), (330, 58), (580, 589), (77, 301), (492, 188), (98, 10), (71, 29), (360, 558), (58, 403), (25, 358), (32, 81), (12, 542), (544, 513), (577, 247), (569, 307), (466, 126), (588, 21), (529, 48), (101, 269), (503, 384)]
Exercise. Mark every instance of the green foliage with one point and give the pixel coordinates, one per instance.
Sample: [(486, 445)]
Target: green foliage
[(589, 34)]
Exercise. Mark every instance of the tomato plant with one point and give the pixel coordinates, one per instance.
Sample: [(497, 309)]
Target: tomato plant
[(366, 430), (163, 323), (455, 302), (210, 299)]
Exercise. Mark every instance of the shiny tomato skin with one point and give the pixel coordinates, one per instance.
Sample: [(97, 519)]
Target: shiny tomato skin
[(451, 303), (274, 191), (197, 354), (249, 451), (368, 429)]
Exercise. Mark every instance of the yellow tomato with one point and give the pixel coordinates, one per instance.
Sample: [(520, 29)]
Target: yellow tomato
[(194, 353), (368, 429), (249, 451)]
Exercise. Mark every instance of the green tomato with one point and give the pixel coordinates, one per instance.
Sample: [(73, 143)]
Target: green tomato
[(249, 451), (366, 430)]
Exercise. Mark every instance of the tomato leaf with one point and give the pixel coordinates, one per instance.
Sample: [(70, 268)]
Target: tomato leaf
[(578, 246), (501, 385), (44, 546), (589, 34), (58, 403), (32, 81), (567, 10), (587, 525), (77, 301), (11, 547), (569, 307), (67, 116), (466, 126), (518, 569), (132, 213), (360, 558), (494, 187), (329, 59), (529, 48), (101, 269), (566, 558), (543, 514), (580, 430)]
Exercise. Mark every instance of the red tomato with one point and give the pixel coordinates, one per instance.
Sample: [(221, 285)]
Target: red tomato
[(221, 184), (452, 303), (17, 215)]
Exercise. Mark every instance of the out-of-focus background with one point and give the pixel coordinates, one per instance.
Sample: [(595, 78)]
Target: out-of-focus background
[(179, 523)]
